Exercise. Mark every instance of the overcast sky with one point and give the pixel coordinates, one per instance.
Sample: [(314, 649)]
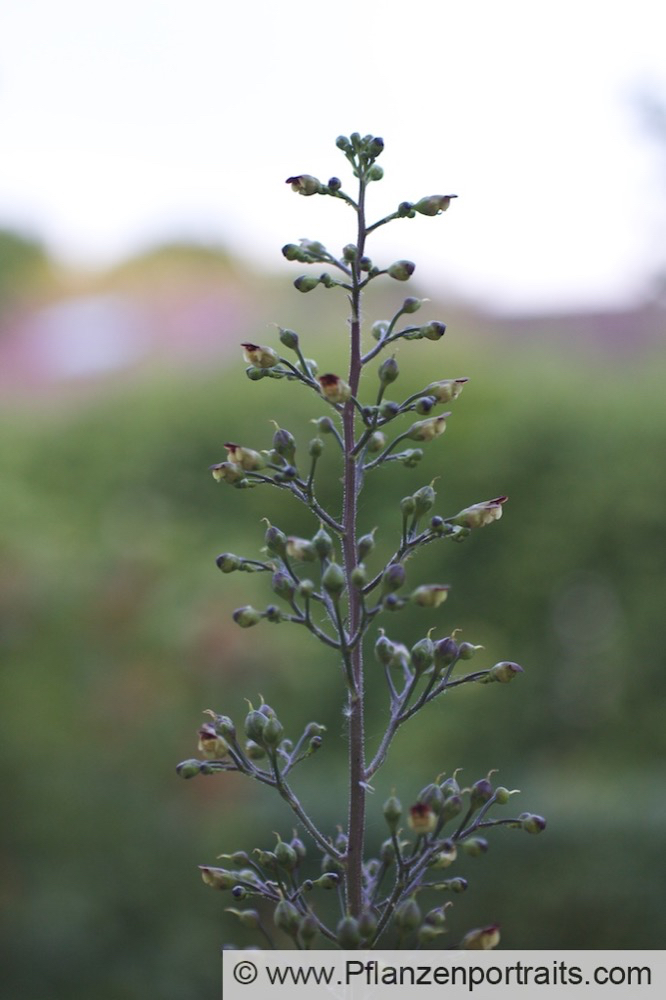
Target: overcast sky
[(127, 121)]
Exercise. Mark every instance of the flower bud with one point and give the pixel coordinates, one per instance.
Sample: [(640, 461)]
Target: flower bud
[(379, 329), (358, 576), (260, 357), (389, 409), (348, 934), (434, 330), (411, 305), (468, 650), (366, 544), (247, 918), (272, 733), (308, 929), (480, 514), (422, 818), (432, 796), (480, 792), (188, 768), (387, 852), (276, 541), (422, 654), (425, 405), (247, 616), (408, 506), (481, 939), (256, 374), (227, 472), (266, 859), (342, 142), (334, 389), (349, 252), (286, 856), (434, 204), (324, 425), (288, 338), (446, 652), (306, 588), (305, 283), (375, 173), (388, 371), (532, 823), (402, 270), (367, 924), (333, 580), (282, 585), (301, 548), (445, 857), (212, 746), (504, 672), (446, 389), (323, 543), (426, 430), (474, 847), (384, 649), (392, 812), (365, 264), (329, 880), (218, 878), (315, 448), (286, 917), (246, 458), (254, 751), (375, 145), (437, 916), (255, 723), (430, 595), (452, 807), (284, 444), (334, 184), (424, 500), (407, 915), (305, 184), (228, 562), (393, 578)]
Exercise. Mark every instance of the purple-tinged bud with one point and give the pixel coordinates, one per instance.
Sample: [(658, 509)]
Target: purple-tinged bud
[(430, 595), (275, 540), (301, 548), (393, 603), (503, 672), (474, 847), (211, 745), (365, 264), (246, 458), (218, 878), (437, 524), (424, 500), (481, 939), (393, 578), (388, 371), (333, 580), (282, 585), (446, 389), (425, 405), (410, 459), (227, 472), (426, 430), (289, 338), (453, 885), (480, 792), (188, 768), (434, 204), (379, 329), (402, 270), (366, 544), (434, 330), (284, 444), (407, 916), (329, 864), (228, 562), (446, 652), (389, 409), (334, 184), (437, 916), (480, 514), (445, 857), (532, 823), (299, 847), (255, 723), (422, 818), (450, 785), (286, 917), (348, 934), (392, 810), (238, 892), (334, 389), (405, 210), (290, 251), (266, 859), (411, 305), (305, 184), (452, 807), (375, 146), (432, 796), (422, 655), (254, 751), (247, 616), (305, 283), (384, 649), (327, 280), (260, 357), (468, 650)]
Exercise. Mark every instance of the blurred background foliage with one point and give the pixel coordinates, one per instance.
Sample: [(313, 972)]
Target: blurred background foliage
[(118, 634)]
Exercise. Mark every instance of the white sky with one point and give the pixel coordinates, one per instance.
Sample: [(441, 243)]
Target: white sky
[(123, 121)]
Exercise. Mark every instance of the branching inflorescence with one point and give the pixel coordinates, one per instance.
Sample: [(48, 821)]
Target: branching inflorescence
[(323, 585)]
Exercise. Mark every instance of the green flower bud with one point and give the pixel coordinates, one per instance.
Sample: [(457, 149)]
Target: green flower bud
[(392, 812), (406, 210), (288, 338), (445, 857), (315, 448), (254, 751), (334, 389), (365, 264), (283, 585), (272, 733), (375, 145), (266, 859), (426, 430), (402, 270), (255, 723), (379, 329), (256, 374), (452, 807), (367, 924), (286, 917), (247, 918), (329, 880), (393, 578), (366, 544), (430, 595), (532, 823), (306, 588), (434, 204), (348, 934), (276, 541), (387, 852), (468, 650), (286, 856), (228, 562), (425, 405), (217, 878), (314, 729), (453, 885), (333, 580), (349, 252), (424, 500), (408, 506), (188, 768), (308, 929), (358, 576), (411, 305), (342, 142), (384, 649), (247, 616), (433, 331), (375, 173), (481, 939), (329, 864), (305, 184), (305, 283), (323, 543), (324, 425), (407, 915), (447, 389), (284, 444), (475, 846), (422, 654), (260, 357), (388, 371), (450, 785), (301, 548)]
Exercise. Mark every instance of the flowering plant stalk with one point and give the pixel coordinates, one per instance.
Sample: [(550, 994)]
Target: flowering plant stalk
[(323, 584)]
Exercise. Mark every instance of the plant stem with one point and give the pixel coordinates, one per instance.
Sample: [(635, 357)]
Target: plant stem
[(357, 791)]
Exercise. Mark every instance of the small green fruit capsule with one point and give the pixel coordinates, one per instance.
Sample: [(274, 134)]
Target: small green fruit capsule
[(384, 650), (375, 173), (437, 916), (366, 544), (323, 543), (228, 562), (286, 917), (333, 580), (379, 329), (247, 616), (388, 371), (308, 929), (348, 933), (475, 846), (284, 444), (324, 425), (349, 252), (359, 577), (286, 856), (314, 729), (392, 812), (387, 852), (407, 916), (188, 768), (305, 283), (367, 924), (393, 578), (255, 723), (422, 655), (247, 918), (408, 506), (411, 305), (266, 859), (289, 338), (401, 270), (315, 448)]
